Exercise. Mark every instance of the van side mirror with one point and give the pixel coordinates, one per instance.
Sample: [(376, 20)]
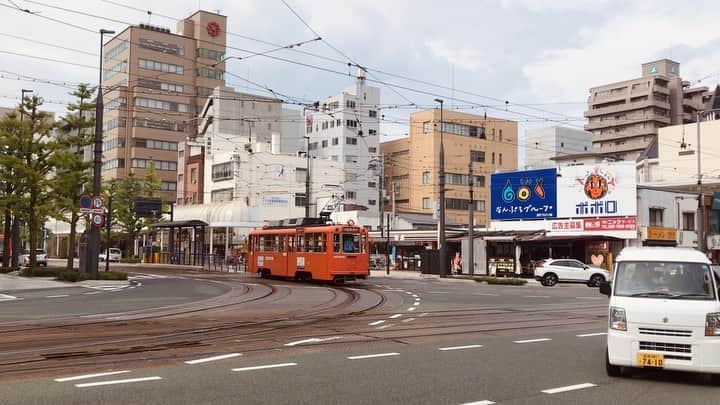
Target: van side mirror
[(605, 288)]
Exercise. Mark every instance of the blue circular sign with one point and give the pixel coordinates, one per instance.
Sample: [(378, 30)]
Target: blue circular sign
[(86, 201)]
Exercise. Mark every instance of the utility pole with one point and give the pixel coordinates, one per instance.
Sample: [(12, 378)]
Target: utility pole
[(381, 187), (701, 203), (307, 177), (93, 246), (387, 247), (443, 246), (471, 222)]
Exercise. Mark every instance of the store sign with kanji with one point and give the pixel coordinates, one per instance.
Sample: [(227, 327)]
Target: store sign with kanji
[(611, 224)]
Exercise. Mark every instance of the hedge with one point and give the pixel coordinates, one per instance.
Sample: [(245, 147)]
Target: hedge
[(41, 272), (112, 275), (72, 276), (506, 281)]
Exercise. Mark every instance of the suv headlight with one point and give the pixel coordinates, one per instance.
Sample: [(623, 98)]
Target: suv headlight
[(617, 319), (712, 324)]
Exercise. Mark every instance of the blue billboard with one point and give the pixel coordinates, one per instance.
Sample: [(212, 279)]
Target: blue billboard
[(531, 194)]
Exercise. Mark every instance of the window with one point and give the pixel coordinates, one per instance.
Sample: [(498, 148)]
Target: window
[(116, 103), (193, 175), (426, 127), (335, 141), (372, 114), (480, 205), (480, 181), (500, 158), (372, 149), (114, 123), (161, 105), (351, 243), (300, 175), (372, 166), (372, 202), (211, 74), (164, 125), (154, 144), (300, 200), (325, 143), (222, 171), (688, 221), (113, 143), (426, 203), (313, 146), (350, 159), (403, 177), (350, 195), (350, 140), (656, 217), (118, 68), (463, 130), (477, 156), (168, 186), (158, 85), (351, 123), (493, 158), (210, 54), (113, 164), (500, 136), (160, 67), (426, 178), (157, 164), (349, 104), (334, 158), (117, 50), (372, 184), (462, 204)]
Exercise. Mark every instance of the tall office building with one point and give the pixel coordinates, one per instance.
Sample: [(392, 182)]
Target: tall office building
[(345, 129), (542, 145), (155, 83), (412, 163), (624, 117)]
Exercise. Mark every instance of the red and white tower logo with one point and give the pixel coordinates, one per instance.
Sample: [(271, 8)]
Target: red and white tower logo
[(213, 29)]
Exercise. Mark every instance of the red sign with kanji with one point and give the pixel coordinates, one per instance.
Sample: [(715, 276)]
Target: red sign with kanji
[(610, 224)]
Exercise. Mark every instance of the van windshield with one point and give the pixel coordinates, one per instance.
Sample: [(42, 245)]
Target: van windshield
[(664, 280)]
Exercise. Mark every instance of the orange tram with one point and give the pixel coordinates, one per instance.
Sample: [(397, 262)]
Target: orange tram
[(309, 249)]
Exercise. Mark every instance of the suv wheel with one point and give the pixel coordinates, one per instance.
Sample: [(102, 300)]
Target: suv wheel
[(550, 280), (595, 280)]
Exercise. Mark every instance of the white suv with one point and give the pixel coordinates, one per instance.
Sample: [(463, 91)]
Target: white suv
[(664, 312), (115, 255), (551, 271), (40, 257)]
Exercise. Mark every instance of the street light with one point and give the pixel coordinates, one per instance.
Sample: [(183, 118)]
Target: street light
[(93, 246), (702, 240), (441, 224)]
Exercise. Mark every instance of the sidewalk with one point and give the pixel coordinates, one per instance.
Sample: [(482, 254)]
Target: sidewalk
[(16, 283)]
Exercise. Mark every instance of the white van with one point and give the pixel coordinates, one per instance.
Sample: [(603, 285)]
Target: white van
[(664, 312)]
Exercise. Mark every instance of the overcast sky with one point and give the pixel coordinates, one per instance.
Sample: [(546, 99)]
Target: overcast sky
[(541, 53)]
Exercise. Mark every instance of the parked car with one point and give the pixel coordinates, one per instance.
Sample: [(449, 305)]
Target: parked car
[(663, 313), (115, 255), (552, 271), (40, 254)]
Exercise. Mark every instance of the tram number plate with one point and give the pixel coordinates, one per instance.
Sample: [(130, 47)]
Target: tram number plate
[(651, 360)]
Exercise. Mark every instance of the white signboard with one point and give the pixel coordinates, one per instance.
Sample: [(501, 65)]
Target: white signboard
[(599, 190), (275, 201)]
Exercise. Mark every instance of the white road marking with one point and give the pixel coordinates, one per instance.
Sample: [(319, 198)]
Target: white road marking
[(409, 320), (376, 323), (392, 290), (412, 308), (113, 382), (416, 303), (57, 296), (444, 349), (417, 299), (408, 293), (590, 298), (265, 367), (214, 358), (423, 314), (487, 295), (592, 334), (311, 340), (385, 326), (569, 388), (372, 356), (484, 402), (86, 376), (93, 293), (438, 292), (532, 340), (537, 296), (415, 295), (396, 316), (5, 297)]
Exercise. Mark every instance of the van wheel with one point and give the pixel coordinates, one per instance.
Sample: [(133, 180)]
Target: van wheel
[(550, 279), (612, 371), (595, 280)]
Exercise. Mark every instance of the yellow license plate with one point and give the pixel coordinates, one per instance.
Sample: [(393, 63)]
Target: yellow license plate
[(650, 360)]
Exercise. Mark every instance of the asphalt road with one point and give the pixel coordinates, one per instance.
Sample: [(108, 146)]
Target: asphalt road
[(428, 342)]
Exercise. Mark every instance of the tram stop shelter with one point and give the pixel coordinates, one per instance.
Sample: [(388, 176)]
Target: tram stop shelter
[(186, 241)]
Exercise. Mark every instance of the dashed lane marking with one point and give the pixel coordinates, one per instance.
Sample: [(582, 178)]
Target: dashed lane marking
[(537, 296), (569, 388), (5, 297), (385, 326), (372, 356), (487, 294), (214, 358), (532, 340), (92, 293), (376, 323), (265, 367), (423, 314), (438, 292), (416, 303), (311, 340), (412, 308), (483, 402), (86, 376), (396, 316), (445, 349), (408, 320), (57, 296), (113, 382), (592, 334)]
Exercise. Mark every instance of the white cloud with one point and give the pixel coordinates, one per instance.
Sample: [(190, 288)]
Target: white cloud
[(615, 50), (554, 5), (460, 56)]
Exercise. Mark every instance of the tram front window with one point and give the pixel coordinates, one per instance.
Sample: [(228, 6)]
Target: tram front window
[(351, 243)]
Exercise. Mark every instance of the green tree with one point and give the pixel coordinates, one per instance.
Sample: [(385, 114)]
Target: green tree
[(126, 191), (10, 127), (73, 174), (30, 165)]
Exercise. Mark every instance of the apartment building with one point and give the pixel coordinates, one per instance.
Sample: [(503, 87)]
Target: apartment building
[(156, 82), (542, 145), (345, 129), (412, 163), (624, 117)]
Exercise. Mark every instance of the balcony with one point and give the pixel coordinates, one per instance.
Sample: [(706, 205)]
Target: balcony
[(627, 107), (610, 123), (597, 137), (624, 147)]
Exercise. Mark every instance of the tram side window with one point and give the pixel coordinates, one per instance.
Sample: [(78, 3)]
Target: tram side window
[(269, 244), (301, 243), (291, 243), (281, 243), (260, 244), (351, 243), (320, 242), (309, 242), (363, 242), (336, 242)]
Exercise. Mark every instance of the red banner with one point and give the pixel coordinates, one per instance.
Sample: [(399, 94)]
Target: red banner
[(611, 224)]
